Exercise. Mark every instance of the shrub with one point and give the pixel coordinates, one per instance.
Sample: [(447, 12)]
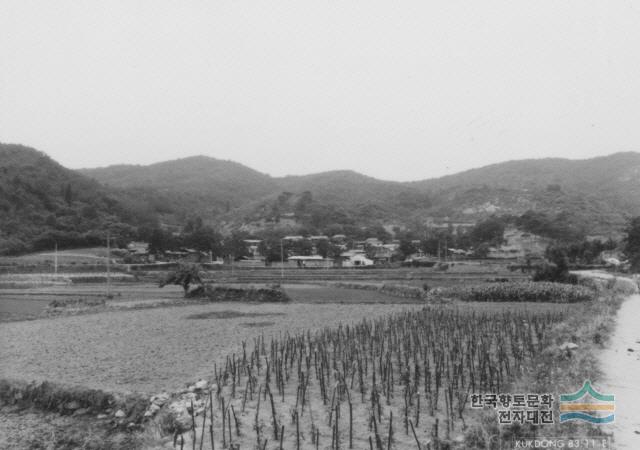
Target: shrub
[(554, 273), (185, 275)]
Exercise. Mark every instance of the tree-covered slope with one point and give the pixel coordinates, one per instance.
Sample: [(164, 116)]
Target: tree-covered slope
[(42, 203), (41, 200), (599, 194)]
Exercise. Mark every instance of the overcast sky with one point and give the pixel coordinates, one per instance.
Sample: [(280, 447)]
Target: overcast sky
[(399, 90)]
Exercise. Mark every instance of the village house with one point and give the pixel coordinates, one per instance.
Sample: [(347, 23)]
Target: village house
[(354, 258), (253, 246), (138, 253), (443, 224), (315, 261), (293, 238), (287, 219)]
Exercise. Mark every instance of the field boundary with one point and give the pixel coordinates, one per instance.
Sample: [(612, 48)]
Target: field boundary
[(121, 410), (392, 290)]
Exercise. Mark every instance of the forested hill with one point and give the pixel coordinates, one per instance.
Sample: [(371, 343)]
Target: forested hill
[(615, 171), (199, 185), (42, 202), (597, 195), (220, 190)]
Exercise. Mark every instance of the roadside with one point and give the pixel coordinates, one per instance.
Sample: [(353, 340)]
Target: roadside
[(620, 362)]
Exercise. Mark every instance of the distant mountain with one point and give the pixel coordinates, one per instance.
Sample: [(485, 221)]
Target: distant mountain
[(597, 195), (530, 173), (360, 195), (193, 185), (228, 192), (41, 200), (43, 203)]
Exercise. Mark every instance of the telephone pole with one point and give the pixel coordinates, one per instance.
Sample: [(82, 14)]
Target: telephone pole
[(445, 249), (281, 261), (108, 264)]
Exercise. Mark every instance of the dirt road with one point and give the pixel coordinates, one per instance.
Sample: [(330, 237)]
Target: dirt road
[(621, 365)]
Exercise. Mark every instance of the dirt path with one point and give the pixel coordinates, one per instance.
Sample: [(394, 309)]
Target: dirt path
[(621, 365)]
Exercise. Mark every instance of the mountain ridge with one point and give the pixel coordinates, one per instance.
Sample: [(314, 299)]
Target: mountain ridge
[(205, 158), (596, 191), (42, 201)]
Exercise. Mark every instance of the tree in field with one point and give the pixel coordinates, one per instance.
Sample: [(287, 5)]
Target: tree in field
[(490, 231), (302, 247), (632, 243), (407, 247), (157, 241), (270, 249), (557, 268), (481, 250), (204, 238), (185, 275), (235, 246)]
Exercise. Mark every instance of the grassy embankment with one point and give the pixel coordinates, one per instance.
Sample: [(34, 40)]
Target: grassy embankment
[(561, 370)]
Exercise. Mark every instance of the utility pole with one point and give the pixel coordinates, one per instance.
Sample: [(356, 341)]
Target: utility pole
[(445, 249), (108, 264), (55, 259), (281, 261)]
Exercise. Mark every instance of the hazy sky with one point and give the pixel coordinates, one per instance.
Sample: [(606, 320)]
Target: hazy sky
[(398, 90)]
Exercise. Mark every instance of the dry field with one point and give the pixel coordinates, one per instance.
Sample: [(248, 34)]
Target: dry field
[(156, 349), (76, 256), (27, 304), (396, 381), (168, 348), (31, 303)]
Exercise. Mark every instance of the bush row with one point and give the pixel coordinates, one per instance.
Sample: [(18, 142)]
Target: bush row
[(231, 294), (520, 292)]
